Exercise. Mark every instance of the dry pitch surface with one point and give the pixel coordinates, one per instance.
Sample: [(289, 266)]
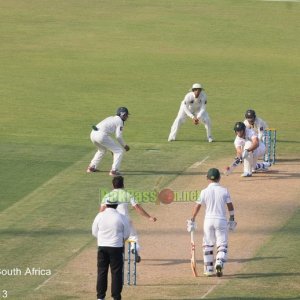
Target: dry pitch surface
[(263, 203)]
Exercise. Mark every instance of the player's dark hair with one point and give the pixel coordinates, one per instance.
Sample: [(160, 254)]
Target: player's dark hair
[(118, 182)]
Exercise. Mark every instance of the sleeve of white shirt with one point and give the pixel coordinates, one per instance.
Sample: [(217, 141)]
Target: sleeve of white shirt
[(185, 103), (203, 98), (119, 133), (239, 142), (200, 198), (95, 226), (228, 198), (262, 126)]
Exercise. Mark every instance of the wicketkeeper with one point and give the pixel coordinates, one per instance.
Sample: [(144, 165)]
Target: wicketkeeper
[(215, 197), (194, 106), (253, 122)]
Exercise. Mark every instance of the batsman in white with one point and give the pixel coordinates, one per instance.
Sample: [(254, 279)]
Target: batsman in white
[(194, 106), (253, 122), (215, 228), (101, 137), (248, 147), (124, 198)]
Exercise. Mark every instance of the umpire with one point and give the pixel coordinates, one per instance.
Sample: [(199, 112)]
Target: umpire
[(111, 230)]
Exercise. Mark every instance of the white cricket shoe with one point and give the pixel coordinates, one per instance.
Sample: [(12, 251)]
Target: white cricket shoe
[(91, 169), (210, 139), (208, 273), (114, 173), (245, 174)]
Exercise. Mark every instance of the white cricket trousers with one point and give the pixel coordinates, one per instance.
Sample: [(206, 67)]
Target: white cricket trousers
[(133, 237), (251, 160), (105, 142), (181, 118), (215, 233)]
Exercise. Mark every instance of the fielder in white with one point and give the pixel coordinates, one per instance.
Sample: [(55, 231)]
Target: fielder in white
[(215, 229), (194, 106), (249, 148), (101, 137), (124, 198), (255, 123)]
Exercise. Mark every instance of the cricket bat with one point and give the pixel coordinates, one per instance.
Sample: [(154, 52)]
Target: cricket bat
[(230, 168), (193, 258)]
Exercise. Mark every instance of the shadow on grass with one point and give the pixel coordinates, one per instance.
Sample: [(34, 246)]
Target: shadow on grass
[(233, 298), (170, 262), (43, 232), (287, 160), (274, 175), (161, 172), (262, 275), (202, 141)]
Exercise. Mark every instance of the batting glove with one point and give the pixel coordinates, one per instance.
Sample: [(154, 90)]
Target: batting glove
[(238, 160), (191, 226), (231, 225)]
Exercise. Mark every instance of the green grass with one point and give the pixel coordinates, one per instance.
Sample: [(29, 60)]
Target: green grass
[(65, 65)]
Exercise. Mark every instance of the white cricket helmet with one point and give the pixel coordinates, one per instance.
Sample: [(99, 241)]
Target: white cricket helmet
[(197, 86)]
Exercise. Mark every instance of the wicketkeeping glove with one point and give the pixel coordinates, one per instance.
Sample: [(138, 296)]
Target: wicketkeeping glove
[(191, 225)]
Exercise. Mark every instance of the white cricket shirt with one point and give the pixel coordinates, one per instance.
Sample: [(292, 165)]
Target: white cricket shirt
[(110, 228), (240, 142), (193, 105), (112, 125), (215, 198), (259, 126)]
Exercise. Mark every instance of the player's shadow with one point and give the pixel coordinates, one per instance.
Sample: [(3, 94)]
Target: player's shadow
[(259, 258), (263, 275), (230, 141), (166, 262), (244, 298), (287, 160), (275, 175), (172, 262), (43, 232), (161, 173)]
